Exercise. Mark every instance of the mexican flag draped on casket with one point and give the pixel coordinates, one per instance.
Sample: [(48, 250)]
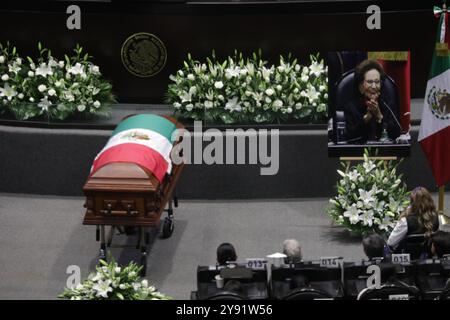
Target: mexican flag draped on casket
[(434, 134), (145, 140)]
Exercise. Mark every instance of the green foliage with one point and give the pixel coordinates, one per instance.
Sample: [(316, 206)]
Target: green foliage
[(112, 282), (370, 196), (49, 88), (248, 90)]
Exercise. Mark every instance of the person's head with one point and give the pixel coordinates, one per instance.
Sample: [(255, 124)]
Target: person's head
[(369, 75), (233, 286), (293, 251), (440, 243), (373, 245), (226, 252), (422, 205)]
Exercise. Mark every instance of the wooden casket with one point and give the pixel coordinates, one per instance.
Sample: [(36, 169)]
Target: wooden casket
[(127, 187)]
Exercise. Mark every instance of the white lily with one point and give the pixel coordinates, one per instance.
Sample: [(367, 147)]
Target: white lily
[(367, 218), (209, 95), (312, 94), (232, 72), (102, 288), (14, 68), (43, 70), (366, 196), (266, 72), (8, 92), (233, 105), (393, 205), (385, 223), (316, 68), (352, 213), (186, 97), (353, 175), (368, 166), (251, 69), (76, 69), (44, 103)]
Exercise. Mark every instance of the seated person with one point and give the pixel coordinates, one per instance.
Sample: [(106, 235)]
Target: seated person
[(369, 113), (293, 251), (225, 253), (419, 218), (374, 246), (388, 278), (440, 243)]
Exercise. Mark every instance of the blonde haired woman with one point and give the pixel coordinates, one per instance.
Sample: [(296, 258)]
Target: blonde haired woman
[(420, 217)]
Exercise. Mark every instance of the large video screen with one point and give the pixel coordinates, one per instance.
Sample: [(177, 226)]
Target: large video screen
[(369, 103)]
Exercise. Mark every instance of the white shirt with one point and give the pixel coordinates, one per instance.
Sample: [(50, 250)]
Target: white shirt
[(399, 232)]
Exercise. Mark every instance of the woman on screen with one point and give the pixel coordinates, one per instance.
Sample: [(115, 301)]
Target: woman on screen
[(371, 115)]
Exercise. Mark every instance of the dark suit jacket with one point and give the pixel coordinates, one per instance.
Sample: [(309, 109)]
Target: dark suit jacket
[(359, 132)]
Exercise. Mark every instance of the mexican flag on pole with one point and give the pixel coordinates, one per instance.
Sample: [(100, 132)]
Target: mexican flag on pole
[(145, 140), (434, 133)]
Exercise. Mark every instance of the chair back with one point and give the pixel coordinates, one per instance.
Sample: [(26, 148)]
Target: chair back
[(391, 291), (307, 294), (226, 295), (254, 283), (322, 279)]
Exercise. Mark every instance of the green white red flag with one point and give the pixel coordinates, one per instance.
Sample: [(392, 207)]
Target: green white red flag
[(145, 140), (434, 133)]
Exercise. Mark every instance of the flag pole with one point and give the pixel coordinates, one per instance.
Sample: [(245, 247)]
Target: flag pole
[(442, 188)]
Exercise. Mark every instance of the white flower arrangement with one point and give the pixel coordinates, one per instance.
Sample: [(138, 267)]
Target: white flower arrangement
[(51, 88), (248, 90), (370, 197), (112, 282)]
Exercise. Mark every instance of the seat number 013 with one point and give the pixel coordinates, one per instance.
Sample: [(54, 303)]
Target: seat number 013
[(256, 263)]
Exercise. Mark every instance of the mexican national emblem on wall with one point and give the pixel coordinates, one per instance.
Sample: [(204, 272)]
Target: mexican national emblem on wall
[(143, 54)]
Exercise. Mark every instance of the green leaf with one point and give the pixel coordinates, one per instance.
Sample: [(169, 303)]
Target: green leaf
[(103, 262)]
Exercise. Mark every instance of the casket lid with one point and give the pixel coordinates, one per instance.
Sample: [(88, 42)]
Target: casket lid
[(119, 177)]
